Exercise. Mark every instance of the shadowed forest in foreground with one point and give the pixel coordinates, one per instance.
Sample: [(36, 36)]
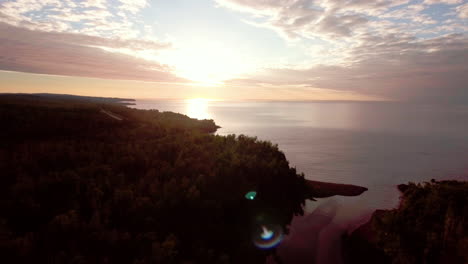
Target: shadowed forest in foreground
[(88, 180), (80, 186), (430, 226)]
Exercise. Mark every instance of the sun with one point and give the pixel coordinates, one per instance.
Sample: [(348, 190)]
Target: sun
[(207, 62), (198, 108)]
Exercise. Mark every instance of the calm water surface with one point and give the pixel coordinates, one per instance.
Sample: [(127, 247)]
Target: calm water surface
[(376, 145)]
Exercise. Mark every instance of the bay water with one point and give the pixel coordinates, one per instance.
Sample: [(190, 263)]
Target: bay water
[(377, 145)]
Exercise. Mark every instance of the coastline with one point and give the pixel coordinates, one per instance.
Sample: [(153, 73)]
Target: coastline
[(147, 151), (429, 226), (318, 226)]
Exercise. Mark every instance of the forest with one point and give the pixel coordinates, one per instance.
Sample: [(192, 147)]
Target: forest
[(430, 226), (90, 180), (79, 186)]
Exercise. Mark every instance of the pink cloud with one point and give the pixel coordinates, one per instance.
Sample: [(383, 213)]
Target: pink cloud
[(68, 54), (391, 67)]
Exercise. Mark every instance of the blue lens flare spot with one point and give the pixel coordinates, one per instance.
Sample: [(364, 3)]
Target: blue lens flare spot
[(250, 195), (268, 236)]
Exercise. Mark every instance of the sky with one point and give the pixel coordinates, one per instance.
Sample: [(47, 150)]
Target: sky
[(237, 49)]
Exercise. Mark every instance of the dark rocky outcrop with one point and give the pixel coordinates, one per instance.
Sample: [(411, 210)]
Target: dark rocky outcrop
[(430, 226), (319, 189)]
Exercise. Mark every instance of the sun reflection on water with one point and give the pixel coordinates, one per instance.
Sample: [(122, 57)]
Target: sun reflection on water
[(198, 108)]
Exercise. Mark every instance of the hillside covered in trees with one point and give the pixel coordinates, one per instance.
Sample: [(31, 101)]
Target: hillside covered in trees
[(96, 182), (430, 226)]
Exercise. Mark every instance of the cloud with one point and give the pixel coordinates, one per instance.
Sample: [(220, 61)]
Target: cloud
[(302, 18), (26, 50), (133, 6), (91, 17), (369, 47), (448, 2), (78, 38), (463, 11), (332, 20), (95, 3), (395, 49), (388, 67)]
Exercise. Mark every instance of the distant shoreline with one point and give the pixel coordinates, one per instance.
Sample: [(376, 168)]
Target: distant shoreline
[(96, 99)]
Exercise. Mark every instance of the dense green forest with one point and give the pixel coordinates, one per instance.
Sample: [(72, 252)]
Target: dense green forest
[(78, 185), (430, 226)]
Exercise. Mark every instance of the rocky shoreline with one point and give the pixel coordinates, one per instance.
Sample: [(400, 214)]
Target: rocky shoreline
[(430, 226), (325, 189)]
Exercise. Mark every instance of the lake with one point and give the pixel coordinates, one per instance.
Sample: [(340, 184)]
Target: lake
[(373, 144)]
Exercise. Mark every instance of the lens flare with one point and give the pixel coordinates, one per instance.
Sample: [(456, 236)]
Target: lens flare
[(268, 236), (250, 195)]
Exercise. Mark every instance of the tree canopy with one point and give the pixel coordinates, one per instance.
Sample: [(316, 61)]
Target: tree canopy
[(78, 186)]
